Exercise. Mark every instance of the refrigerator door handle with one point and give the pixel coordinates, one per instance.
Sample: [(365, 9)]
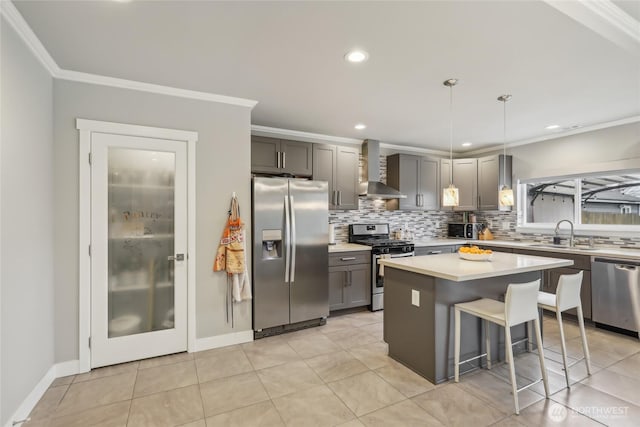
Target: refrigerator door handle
[(287, 237), (293, 241)]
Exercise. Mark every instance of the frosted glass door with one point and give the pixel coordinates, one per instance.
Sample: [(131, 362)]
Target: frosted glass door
[(141, 241), (139, 236)]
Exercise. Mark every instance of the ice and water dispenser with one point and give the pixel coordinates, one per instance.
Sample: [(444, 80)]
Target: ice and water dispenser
[(271, 244)]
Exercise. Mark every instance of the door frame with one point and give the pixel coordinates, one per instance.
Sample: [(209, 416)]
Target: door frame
[(86, 128)]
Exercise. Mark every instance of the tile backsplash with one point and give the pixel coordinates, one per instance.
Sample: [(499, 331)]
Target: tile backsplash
[(433, 224)]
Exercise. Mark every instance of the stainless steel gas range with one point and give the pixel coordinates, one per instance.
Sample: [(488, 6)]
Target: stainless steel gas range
[(377, 236)]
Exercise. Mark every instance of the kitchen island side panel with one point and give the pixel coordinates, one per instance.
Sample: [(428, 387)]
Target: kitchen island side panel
[(421, 337), (409, 329)]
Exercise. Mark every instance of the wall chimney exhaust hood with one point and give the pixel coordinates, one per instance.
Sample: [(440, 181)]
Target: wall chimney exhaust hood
[(371, 187)]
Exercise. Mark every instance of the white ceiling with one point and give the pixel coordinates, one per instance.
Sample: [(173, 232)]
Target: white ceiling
[(289, 57)]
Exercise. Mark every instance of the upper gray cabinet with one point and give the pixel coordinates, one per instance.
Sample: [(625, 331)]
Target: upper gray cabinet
[(465, 177), (416, 177), (339, 167), (280, 156), (493, 172)]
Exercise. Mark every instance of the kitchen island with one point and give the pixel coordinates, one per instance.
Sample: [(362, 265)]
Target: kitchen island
[(418, 306)]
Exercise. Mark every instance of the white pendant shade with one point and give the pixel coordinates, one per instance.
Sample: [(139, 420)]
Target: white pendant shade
[(450, 196), (505, 196)]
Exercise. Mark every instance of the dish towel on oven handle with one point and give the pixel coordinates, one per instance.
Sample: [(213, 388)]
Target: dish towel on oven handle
[(381, 267)]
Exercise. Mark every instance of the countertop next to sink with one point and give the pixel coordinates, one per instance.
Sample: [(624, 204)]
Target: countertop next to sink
[(633, 254)]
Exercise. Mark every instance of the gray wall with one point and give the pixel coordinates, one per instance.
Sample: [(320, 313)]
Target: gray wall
[(223, 165), (26, 198), (567, 154)]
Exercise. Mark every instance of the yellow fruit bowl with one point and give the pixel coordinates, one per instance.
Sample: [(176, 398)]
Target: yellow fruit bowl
[(475, 257)]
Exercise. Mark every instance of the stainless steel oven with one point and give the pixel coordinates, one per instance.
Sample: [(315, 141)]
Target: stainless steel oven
[(377, 236), (377, 285)]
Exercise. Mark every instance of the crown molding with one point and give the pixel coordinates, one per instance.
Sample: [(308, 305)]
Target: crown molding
[(259, 130), (77, 76), (15, 19), (605, 18)]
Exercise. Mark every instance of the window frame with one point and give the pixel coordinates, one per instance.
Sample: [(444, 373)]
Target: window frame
[(523, 226)]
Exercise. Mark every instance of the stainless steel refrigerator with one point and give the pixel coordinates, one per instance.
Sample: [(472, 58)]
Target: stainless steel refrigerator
[(290, 254)]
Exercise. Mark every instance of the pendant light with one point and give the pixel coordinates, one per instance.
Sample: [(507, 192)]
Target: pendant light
[(450, 195), (505, 194)]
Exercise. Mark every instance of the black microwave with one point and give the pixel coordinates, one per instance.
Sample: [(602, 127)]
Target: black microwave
[(463, 230)]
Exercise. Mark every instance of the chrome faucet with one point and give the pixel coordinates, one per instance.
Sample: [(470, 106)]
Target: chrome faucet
[(571, 240)]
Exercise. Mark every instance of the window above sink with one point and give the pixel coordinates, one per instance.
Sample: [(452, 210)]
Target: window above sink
[(598, 203)]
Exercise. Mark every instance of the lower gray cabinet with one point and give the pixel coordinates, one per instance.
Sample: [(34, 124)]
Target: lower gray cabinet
[(349, 280)]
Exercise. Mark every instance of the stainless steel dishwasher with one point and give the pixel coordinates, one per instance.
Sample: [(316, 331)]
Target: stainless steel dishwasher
[(615, 287)]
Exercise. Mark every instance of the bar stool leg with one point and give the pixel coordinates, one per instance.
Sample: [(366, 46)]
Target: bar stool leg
[(456, 350), (487, 342), (583, 335), (512, 368), (543, 368), (563, 346), (529, 336)]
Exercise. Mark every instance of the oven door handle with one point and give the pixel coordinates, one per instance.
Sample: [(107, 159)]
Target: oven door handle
[(405, 255)]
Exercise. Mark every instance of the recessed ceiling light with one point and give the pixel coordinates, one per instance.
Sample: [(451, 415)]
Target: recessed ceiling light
[(467, 144), (360, 126), (356, 56), (551, 127)]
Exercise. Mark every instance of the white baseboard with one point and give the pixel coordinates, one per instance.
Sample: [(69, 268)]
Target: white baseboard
[(63, 369), (70, 367), (223, 340), (32, 399)]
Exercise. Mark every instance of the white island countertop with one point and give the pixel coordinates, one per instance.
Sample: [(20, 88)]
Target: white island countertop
[(452, 267)]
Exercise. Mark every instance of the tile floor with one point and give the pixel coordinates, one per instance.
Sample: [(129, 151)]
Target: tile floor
[(340, 375)]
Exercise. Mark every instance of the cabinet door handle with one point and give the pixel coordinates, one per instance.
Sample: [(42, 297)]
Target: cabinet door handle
[(339, 197), (284, 159), (422, 200), (348, 258), (350, 278), (278, 159), (434, 252)]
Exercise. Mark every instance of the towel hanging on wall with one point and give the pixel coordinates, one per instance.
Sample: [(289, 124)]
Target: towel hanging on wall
[(231, 257)]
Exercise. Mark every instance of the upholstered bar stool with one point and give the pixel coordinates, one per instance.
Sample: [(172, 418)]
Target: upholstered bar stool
[(567, 296), (519, 306)]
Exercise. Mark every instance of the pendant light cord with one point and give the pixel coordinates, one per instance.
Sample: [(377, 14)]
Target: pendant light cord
[(450, 135), (504, 142)]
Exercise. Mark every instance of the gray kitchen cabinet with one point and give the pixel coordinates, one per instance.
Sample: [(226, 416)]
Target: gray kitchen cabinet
[(493, 172), (281, 156), (465, 177), (339, 167), (435, 250), (349, 280), (416, 177)]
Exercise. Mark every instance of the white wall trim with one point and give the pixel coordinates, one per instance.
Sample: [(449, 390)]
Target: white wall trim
[(21, 27), (70, 367), (86, 127), (18, 23), (32, 398), (604, 18), (223, 340), (77, 76), (301, 136), (63, 369), (135, 130)]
